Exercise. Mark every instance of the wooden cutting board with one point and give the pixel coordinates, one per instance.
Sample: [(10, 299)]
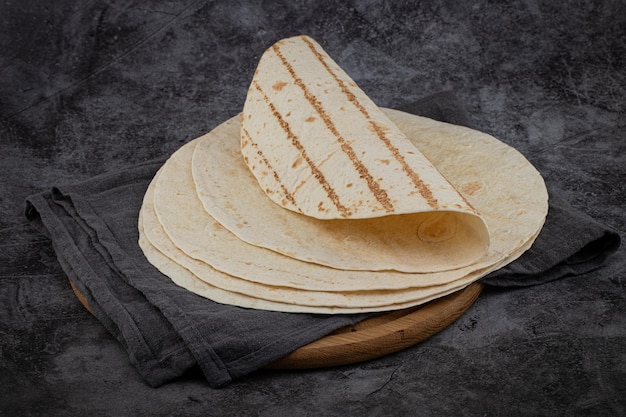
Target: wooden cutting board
[(377, 336)]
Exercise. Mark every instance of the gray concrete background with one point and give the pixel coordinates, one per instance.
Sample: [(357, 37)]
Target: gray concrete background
[(91, 86)]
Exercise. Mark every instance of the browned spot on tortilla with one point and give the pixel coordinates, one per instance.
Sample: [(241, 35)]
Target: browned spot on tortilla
[(279, 85), (471, 188), (321, 208), (309, 119), (297, 162)]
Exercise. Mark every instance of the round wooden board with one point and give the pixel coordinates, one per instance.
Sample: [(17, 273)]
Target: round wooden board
[(377, 336)]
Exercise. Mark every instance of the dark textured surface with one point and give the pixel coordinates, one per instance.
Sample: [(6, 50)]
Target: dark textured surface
[(88, 87)]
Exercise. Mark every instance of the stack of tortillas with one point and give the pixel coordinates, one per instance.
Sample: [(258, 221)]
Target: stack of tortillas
[(316, 200)]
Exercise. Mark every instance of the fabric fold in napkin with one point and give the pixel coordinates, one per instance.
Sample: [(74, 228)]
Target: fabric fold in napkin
[(168, 330)]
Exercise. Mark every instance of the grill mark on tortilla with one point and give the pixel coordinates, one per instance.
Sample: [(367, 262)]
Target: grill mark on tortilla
[(379, 193), (332, 195), (423, 189), (259, 152)]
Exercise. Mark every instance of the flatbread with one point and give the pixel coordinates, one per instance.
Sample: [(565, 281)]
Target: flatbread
[(182, 216), (205, 281), (220, 287), (193, 241), (315, 200), (186, 279), (199, 278), (496, 179), (318, 146), (196, 233)]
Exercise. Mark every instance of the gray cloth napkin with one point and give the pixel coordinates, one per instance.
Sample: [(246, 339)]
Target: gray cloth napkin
[(167, 330)]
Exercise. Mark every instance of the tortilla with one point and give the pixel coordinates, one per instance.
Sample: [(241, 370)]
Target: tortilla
[(203, 280), (315, 200), (182, 213), (371, 300), (200, 278), (194, 241), (513, 206), (320, 147), (186, 279), (197, 234)]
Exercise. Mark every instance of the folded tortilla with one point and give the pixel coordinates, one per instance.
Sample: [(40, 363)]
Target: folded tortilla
[(318, 146)]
